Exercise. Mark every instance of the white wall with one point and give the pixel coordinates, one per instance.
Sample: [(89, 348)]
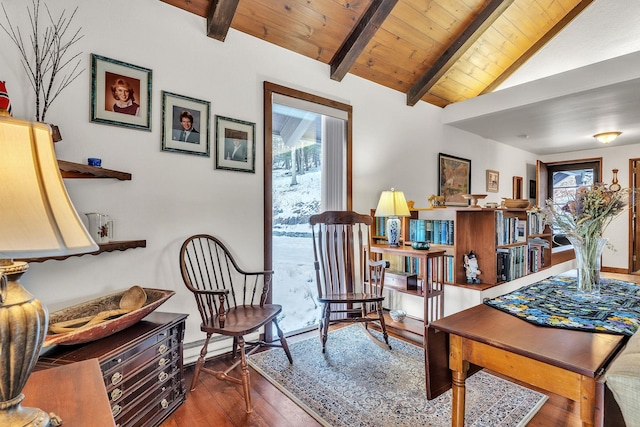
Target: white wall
[(172, 196)]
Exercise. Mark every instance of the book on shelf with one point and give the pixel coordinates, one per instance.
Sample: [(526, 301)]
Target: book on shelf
[(509, 228), (538, 250), (449, 269), (535, 222), (512, 262), (436, 231)]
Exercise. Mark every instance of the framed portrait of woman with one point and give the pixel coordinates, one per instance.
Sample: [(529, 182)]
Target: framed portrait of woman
[(120, 93)]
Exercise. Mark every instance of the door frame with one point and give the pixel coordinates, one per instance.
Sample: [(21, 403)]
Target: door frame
[(634, 217), (269, 89)]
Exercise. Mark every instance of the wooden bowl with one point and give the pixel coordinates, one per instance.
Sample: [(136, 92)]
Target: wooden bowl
[(155, 297), (516, 203)]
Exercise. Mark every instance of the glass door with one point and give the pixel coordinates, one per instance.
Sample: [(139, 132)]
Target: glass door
[(308, 160)]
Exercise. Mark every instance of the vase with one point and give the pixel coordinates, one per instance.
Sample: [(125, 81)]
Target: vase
[(98, 227), (588, 253)]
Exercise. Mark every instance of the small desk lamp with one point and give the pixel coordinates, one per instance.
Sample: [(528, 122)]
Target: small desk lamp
[(37, 219), (392, 205)]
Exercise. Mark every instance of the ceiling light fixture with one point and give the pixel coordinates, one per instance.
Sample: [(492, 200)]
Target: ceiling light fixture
[(606, 137)]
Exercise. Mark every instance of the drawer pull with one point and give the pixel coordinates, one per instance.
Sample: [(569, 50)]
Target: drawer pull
[(116, 378), (164, 404), (163, 361), (115, 411), (116, 393), (162, 377), (163, 349)]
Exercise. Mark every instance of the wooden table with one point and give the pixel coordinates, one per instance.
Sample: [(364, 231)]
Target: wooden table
[(562, 361), (75, 392)]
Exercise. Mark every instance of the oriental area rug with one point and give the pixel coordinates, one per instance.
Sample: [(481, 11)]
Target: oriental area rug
[(358, 383)]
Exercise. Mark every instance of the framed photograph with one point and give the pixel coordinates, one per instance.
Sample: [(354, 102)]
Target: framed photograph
[(454, 179), (185, 124), (532, 189), (120, 93), (235, 145), (493, 181)]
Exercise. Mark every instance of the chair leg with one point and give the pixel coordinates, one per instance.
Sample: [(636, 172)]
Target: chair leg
[(283, 341), (200, 362), (383, 326), (234, 348), (246, 384), (324, 325)]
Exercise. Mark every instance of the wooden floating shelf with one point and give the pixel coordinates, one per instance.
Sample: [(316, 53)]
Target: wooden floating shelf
[(77, 170), (121, 245)]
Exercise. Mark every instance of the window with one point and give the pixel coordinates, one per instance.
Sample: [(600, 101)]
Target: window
[(562, 179)]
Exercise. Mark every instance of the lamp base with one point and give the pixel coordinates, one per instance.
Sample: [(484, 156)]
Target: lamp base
[(23, 325), (15, 415), (393, 230)]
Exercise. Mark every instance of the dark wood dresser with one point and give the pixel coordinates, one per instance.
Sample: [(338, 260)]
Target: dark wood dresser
[(141, 367)]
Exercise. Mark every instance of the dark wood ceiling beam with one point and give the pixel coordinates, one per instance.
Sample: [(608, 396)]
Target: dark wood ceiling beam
[(538, 45), (219, 17), (362, 33), (479, 25)]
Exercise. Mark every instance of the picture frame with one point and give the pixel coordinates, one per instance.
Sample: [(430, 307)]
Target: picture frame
[(185, 124), (533, 189), (454, 179), (517, 188), (235, 145), (493, 181), (110, 78)]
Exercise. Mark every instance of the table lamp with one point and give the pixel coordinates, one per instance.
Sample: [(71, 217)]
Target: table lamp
[(37, 219), (392, 205)]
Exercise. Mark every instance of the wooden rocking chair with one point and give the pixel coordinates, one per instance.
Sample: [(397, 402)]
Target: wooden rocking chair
[(231, 302), (347, 290)]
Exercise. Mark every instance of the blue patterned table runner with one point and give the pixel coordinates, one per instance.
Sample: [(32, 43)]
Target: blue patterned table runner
[(555, 302)]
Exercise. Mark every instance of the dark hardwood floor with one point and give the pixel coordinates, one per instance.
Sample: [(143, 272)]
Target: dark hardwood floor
[(217, 403)]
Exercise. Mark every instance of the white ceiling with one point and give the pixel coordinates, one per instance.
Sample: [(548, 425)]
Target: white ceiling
[(584, 81)]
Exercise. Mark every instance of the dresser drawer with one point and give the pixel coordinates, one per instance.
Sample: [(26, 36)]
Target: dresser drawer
[(141, 367), (159, 341), (157, 394), (143, 378), (160, 354)]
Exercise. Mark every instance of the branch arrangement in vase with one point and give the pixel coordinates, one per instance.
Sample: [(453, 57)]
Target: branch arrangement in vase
[(47, 59)]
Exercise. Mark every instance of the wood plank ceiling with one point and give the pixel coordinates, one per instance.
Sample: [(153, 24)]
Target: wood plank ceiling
[(437, 51)]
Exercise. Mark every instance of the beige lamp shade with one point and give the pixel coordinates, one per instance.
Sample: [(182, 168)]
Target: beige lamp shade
[(392, 203), (37, 218)]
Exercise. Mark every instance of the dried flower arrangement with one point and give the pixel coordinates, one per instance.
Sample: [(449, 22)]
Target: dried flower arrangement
[(46, 55), (588, 212), (583, 220)]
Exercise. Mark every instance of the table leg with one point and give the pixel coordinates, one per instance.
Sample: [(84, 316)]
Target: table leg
[(459, 369), (588, 401), (458, 395)]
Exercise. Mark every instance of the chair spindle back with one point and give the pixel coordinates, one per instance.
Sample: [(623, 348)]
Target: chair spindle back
[(207, 265), (339, 240)]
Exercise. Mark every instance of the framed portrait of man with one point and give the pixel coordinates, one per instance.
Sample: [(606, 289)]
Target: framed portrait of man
[(185, 124), (235, 145)]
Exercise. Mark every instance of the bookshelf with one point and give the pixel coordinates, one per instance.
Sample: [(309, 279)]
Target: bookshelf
[(509, 243), (426, 265)]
